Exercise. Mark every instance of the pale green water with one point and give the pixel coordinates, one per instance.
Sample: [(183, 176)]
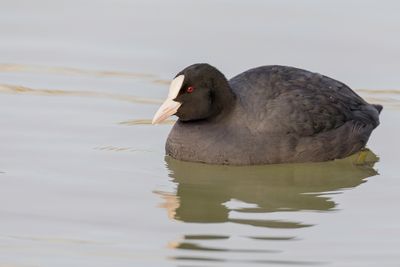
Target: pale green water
[(83, 179)]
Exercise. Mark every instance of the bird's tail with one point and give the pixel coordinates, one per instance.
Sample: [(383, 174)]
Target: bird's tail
[(378, 107)]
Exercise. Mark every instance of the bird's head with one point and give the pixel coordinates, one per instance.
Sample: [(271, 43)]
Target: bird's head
[(198, 92)]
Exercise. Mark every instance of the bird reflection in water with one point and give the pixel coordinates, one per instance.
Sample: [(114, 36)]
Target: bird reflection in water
[(204, 192)]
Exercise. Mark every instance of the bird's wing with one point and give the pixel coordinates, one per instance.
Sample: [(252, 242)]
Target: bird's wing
[(291, 100), (315, 104)]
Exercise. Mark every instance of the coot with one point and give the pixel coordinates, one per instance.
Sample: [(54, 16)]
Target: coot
[(269, 114)]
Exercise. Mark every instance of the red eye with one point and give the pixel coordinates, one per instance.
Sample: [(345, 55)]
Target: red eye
[(190, 89)]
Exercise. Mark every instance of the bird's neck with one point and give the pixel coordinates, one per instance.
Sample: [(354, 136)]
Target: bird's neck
[(224, 98)]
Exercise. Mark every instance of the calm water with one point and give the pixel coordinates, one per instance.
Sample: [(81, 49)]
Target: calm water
[(83, 177)]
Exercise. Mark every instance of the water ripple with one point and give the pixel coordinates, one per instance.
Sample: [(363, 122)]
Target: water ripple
[(7, 67), (16, 89), (275, 262), (145, 122)]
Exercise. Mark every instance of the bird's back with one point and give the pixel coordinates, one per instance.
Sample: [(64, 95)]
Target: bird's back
[(295, 100)]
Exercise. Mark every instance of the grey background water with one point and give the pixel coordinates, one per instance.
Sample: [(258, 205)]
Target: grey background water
[(83, 179)]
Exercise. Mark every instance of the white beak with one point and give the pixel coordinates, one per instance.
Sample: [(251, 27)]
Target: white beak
[(169, 107)]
